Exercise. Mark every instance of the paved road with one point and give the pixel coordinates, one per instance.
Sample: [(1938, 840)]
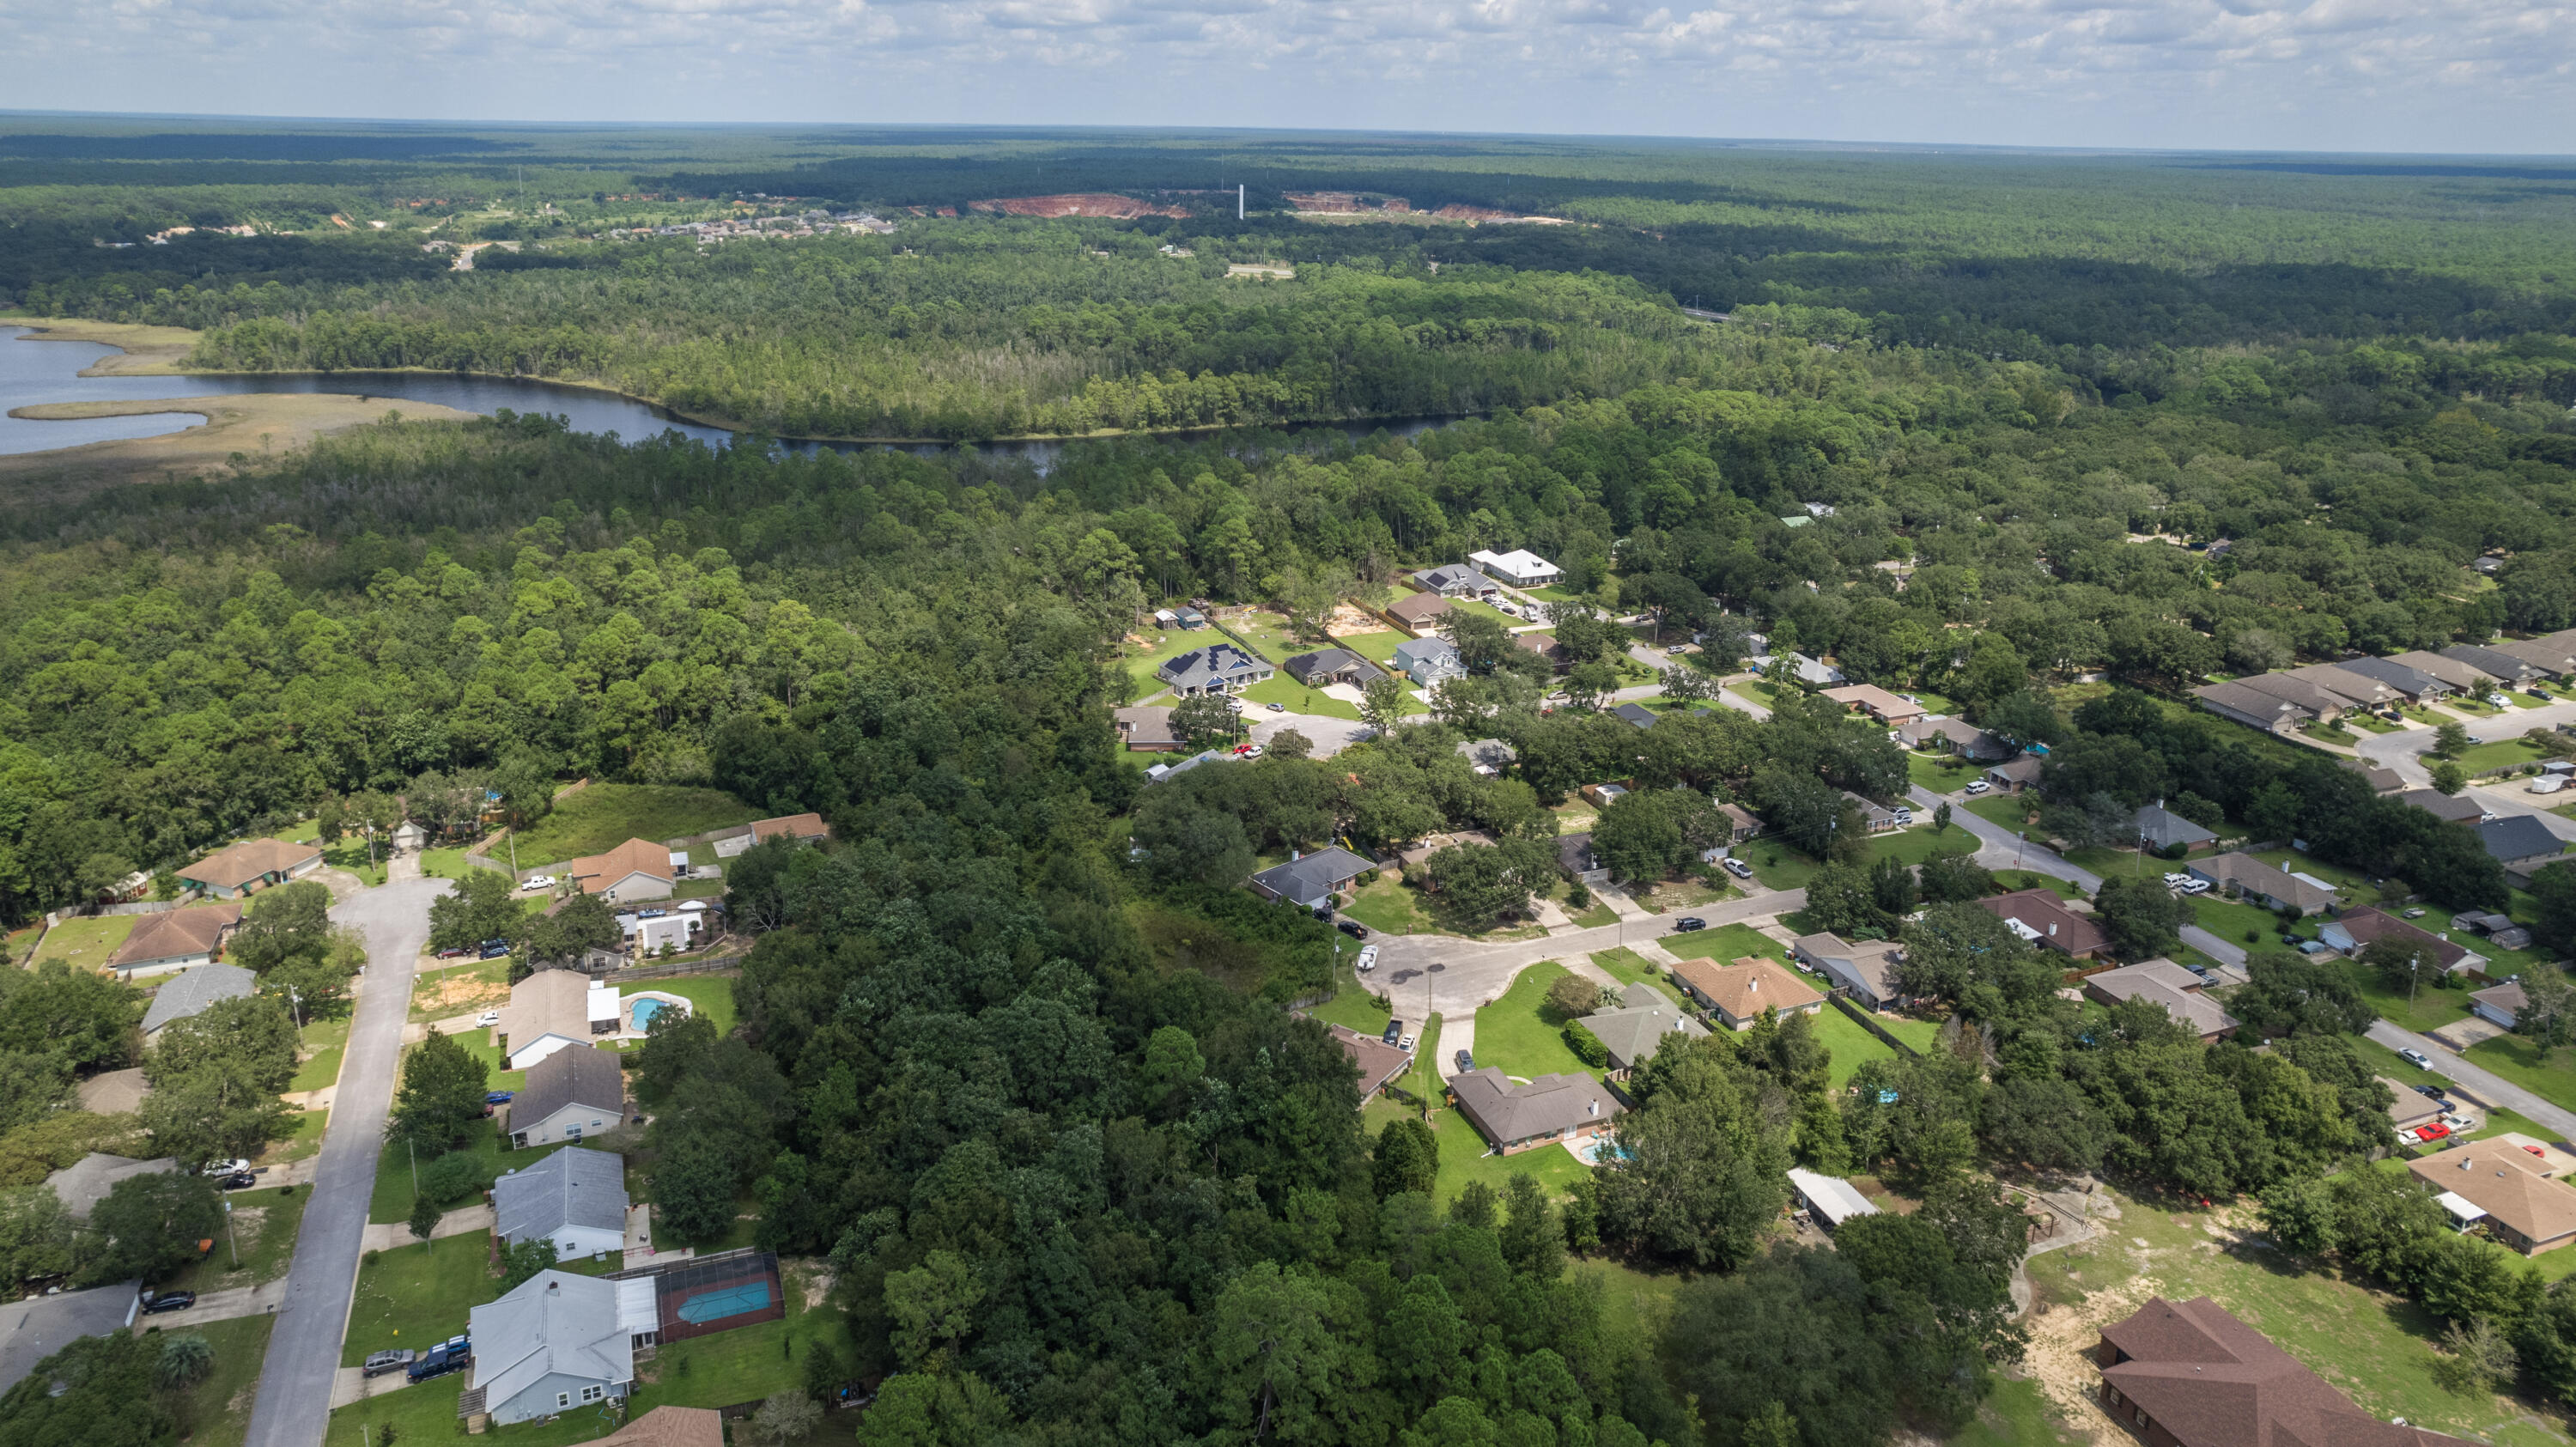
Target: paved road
[(2487, 1086), (293, 1407), (2404, 752)]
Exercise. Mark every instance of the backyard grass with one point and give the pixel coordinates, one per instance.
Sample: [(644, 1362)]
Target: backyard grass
[(417, 1295), (85, 944), (708, 995), (1377, 648), (1140, 663), (2018, 1414), (326, 1039), (1850, 1044), (1727, 943), (1519, 1034), (1464, 1158), (216, 1411), (601, 817)]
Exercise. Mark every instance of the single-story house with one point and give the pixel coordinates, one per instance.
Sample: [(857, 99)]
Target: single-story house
[(1866, 970), (645, 931), (556, 1343), (2262, 884), (1637, 714), (1946, 735), (2164, 983), (175, 940), (1157, 773), (2308, 697), (2040, 917), (1741, 823), (806, 828), (570, 1094), (1574, 855), (2505, 668), (84, 1183), (2499, 1004), (1217, 668), (1146, 729), (1419, 611), (2357, 690), (575, 1198), (2409, 1107), (1309, 879), (1812, 673), (1377, 1062), (550, 1010), (253, 864), (1888, 708), (2449, 808), (1332, 665), (2523, 1207), (1519, 567), (1879, 817), (36, 1327), (2357, 929), (1543, 643), (2551, 656), (1428, 660), (2188, 1374), (1550, 1110), (2382, 781), (2416, 684), (2240, 702), (2521, 843), (2461, 675), (1456, 580), (191, 991), (2161, 828), (1830, 1199), (1431, 844), (2015, 775), (408, 838), (637, 869), (1488, 757), (1638, 1026), (1738, 993)]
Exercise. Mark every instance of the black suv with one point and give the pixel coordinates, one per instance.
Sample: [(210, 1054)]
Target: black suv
[(1394, 1031), (171, 1301), (1688, 923), (1352, 927)]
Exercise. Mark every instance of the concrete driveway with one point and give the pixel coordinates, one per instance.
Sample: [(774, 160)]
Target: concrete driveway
[(1329, 735), (293, 1407)]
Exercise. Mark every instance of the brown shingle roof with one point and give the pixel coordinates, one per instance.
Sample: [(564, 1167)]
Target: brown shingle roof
[(1416, 609), (2212, 1381), (2506, 1184), (2047, 917), (794, 826), (1548, 1106), (603, 871), (176, 934), (2368, 925), (1746, 988), (238, 864), (1378, 1061)]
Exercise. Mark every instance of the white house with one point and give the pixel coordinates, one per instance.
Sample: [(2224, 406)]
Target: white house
[(552, 1009), (557, 1343), (575, 1198), (648, 930), (1520, 568), (570, 1094)]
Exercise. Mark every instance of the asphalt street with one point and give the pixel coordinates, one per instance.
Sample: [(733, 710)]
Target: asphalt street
[(2404, 752), (293, 1407), (2493, 1089)]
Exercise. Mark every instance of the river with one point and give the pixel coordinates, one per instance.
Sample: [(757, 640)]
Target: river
[(49, 371)]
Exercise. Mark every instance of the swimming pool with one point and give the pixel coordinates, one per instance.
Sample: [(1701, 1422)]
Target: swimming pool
[(645, 1010), (709, 1306)]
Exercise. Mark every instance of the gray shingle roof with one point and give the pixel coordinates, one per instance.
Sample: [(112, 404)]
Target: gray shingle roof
[(1549, 1105), (2519, 836), (1331, 660), (553, 1322), (85, 1182), (2165, 829), (1216, 662), (1636, 713), (190, 991), (2413, 682), (1313, 876), (570, 1077), (572, 1187), (1638, 1027)]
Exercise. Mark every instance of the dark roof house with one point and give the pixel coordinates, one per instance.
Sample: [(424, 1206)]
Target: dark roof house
[(2188, 1374), (1378, 1062), (1639, 1025), (1216, 668), (2164, 983), (2162, 828), (2449, 808), (175, 939), (1332, 665), (2520, 842), (1549, 1109), (2039, 916), (1310, 878), (1417, 610), (2415, 683), (191, 991)]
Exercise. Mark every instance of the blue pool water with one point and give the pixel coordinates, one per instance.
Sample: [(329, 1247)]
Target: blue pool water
[(645, 1010), (732, 1301)]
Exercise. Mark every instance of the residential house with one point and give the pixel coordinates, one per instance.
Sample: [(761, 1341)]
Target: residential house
[(2408, 1107), (1830, 1200), (1637, 714), (1812, 673), (252, 864), (1519, 567), (1890, 709), (570, 1095), (2240, 702), (1944, 735), (1157, 773), (1217, 668), (2521, 1205), (2418, 685), (1637, 1027), (2358, 929), (2162, 982), (1867, 971), (2500, 1004), (2322, 704), (1146, 729), (2260, 883), (174, 939), (556, 1343), (191, 992), (1456, 580), (1419, 611), (1574, 855), (804, 828), (1741, 823), (2486, 565), (2551, 657), (2460, 675), (2449, 808), (408, 838), (1551, 1110), (2382, 781), (1878, 816), (2505, 668), (647, 932), (1543, 643), (575, 1198), (1738, 993), (638, 869), (550, 1010), (1428, 660), (1431, 844), (1312, 879), (2015, 775), (2041, 918), (34, 1328), (2160, 828), (84, 1183), (1328, 666), (1377, 1062), (2357, 690), (2521, 843), (1488, 757), (2188, 1374)]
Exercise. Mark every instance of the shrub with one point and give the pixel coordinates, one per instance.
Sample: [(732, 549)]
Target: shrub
[(1587, 1047)]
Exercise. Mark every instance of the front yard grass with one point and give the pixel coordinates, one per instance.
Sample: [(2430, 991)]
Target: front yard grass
[(1627, 966), (1298, 698), (85, 944), (2005, 811), (2232, 920), (326, 1039), (597, 819), (1520, 1034), (1781, 865), (1596, 917), (265, 1220), (1940, 773), (1389, 907), (391, 1200), (1727, 943), (216, 1411), (2500, 754), (417, 1295)]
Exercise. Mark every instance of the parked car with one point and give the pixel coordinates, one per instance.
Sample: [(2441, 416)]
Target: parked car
[(1352, 927), (238, 1181), (2313, 947), (221, 1169), (1977, 786), (2435, 1092), (2473, 738), (2537, 694), (2291, 939), (379, 1363), (2416, 913), (2177, 880), (487, 1019), (1276, 707), (1405, 1044), (438, 1361), (2416, 1058), (492, 952), (451, 954), (538, 881), (1687, 923), (1739, 868), (169, 1301), (1324, 912), (1368, 957), (1394, 1031), (2197, 886), (2498, 700), (2431, 1131), (1466, 1061), (499, 1097)]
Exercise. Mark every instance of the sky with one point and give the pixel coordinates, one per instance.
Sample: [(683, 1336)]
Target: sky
[(2454, 76)]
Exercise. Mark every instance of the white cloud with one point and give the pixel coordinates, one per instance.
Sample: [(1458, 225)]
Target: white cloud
[(2457, 75)]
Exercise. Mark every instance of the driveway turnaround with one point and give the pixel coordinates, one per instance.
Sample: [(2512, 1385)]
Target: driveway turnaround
[(293, 1407), (2488, 1086)]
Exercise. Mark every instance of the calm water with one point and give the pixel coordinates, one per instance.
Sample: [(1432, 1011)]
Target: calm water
[(43, 371)]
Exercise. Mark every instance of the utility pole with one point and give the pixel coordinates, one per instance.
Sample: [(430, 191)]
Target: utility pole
[(230, 1237), (413, 1151)]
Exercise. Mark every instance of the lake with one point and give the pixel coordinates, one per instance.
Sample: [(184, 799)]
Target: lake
[(49, 371)]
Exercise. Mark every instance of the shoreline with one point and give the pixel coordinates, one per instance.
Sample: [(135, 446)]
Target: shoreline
[(65, 329)]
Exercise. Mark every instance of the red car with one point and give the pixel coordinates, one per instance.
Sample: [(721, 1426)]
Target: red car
[(2432, 1132)]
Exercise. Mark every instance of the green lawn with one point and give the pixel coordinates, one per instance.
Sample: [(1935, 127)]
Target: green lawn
[(1940, 773), (1596, 917), (2501, 753), (1627, 966), (1140, 663), (417, 1295), (1780, 865), (2551, 1077), (1351, 1005), (709, 995), (1517, 1034), (2019, 1414), (448, 863), (2231, 920), (1298, 698), (2009, 811), (86, 943), (1464, 1158), (264, 1222), (326, 1039), (1849, 1043), (1377, 648), (603, 816), (391, 1200), (1726, 943), (216, 1411), (1389, 907)]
